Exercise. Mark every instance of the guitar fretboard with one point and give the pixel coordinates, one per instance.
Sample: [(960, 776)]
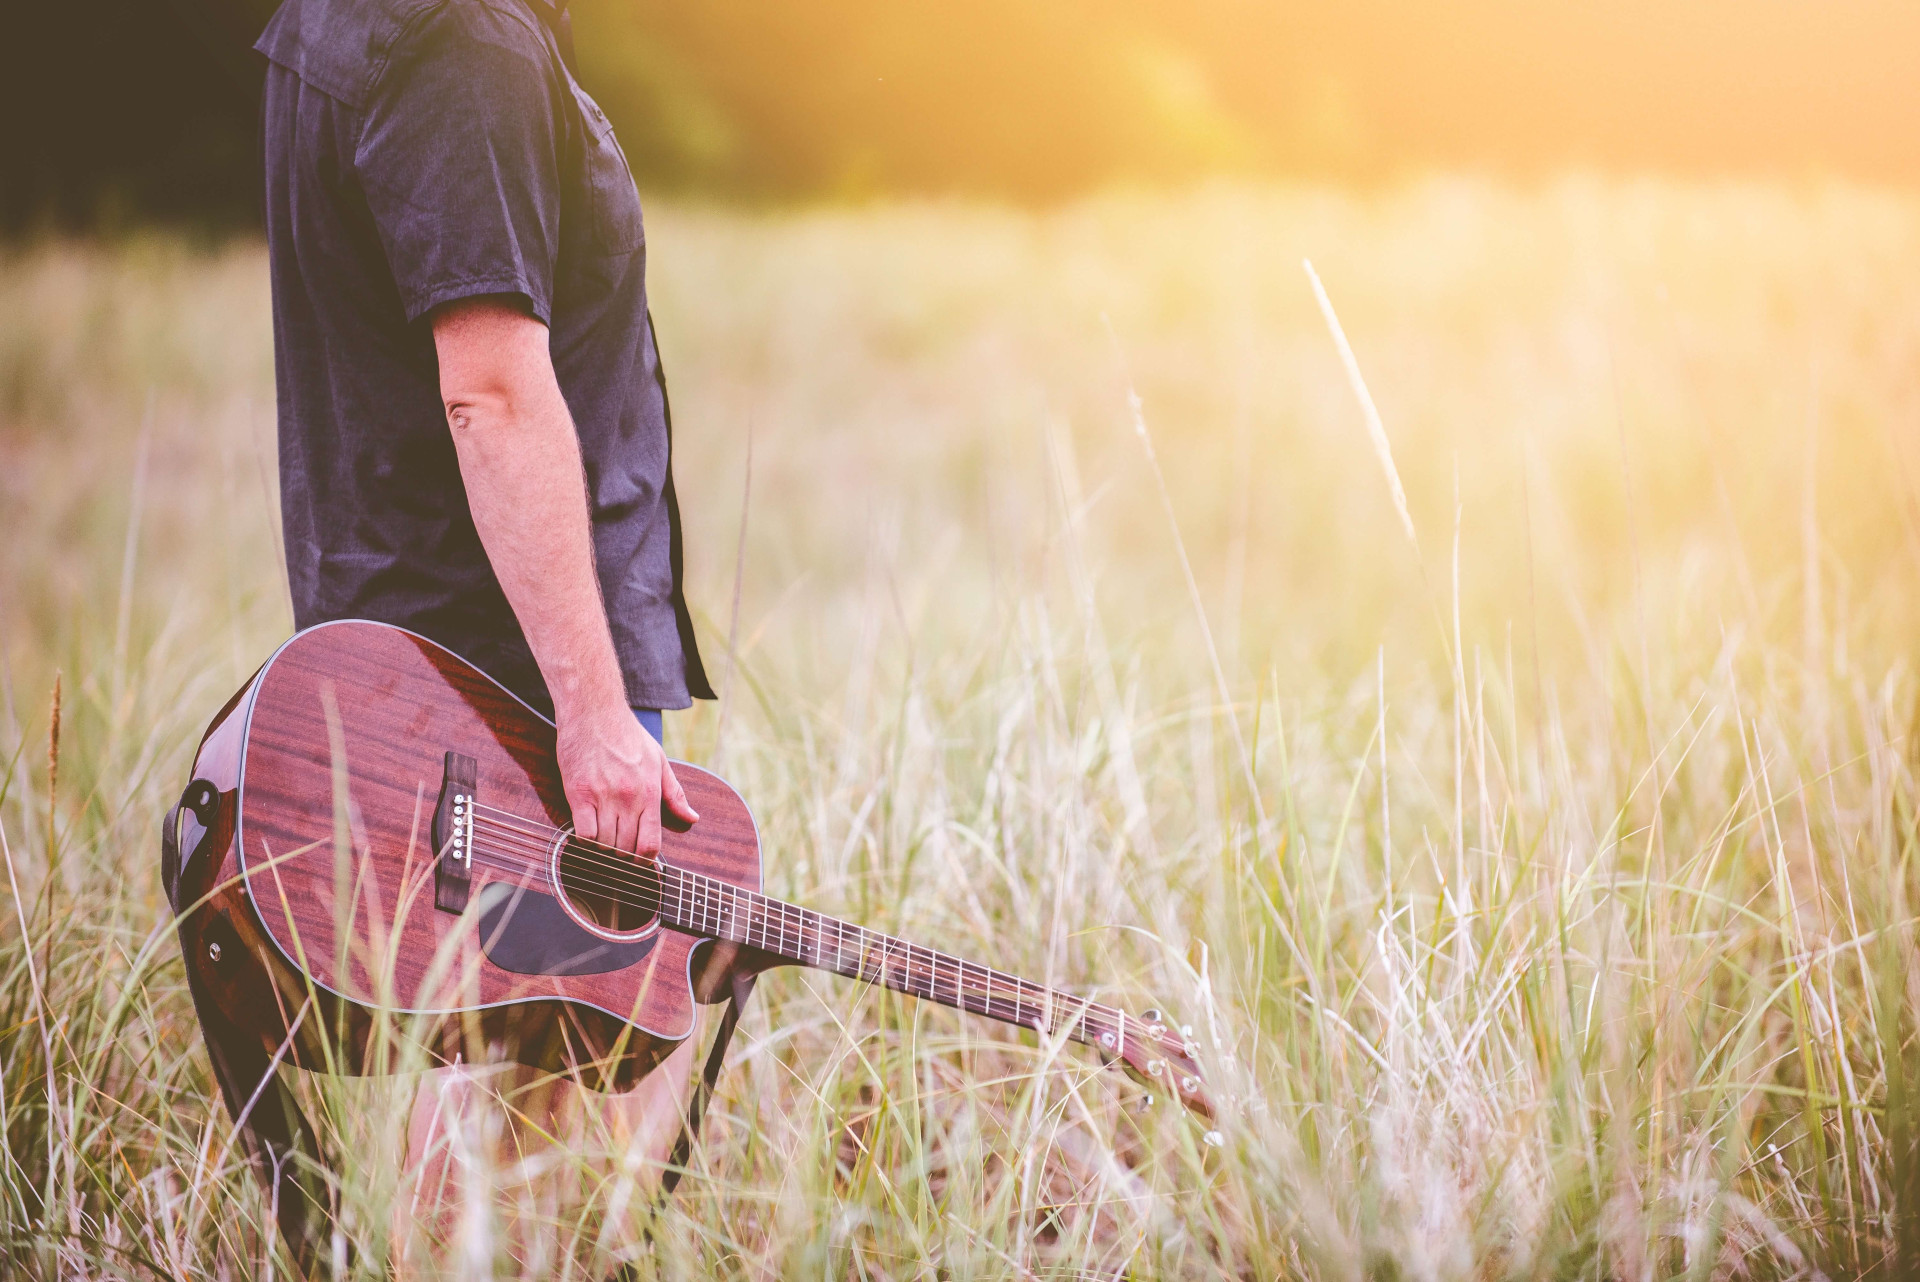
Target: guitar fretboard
[(702, 906)]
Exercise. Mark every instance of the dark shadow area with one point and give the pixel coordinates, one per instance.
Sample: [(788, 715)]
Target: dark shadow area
[(122, 112)]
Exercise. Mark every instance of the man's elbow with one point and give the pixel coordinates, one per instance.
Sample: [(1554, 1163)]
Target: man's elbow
[(471, 410), (494, 366)]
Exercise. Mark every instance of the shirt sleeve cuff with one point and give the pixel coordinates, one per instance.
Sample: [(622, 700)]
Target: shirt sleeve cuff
[(439, 293)]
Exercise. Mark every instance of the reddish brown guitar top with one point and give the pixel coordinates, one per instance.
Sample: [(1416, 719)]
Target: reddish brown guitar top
[(319, 881)]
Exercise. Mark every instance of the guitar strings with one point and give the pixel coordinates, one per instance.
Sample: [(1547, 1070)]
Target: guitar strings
[(965, 992), (626, 870), (990, 981), (528, 846)]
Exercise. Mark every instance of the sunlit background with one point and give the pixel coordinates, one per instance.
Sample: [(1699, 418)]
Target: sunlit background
[(1539, 860), (119, 109)]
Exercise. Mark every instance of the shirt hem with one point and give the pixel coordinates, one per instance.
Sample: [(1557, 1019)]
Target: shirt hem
[(465, 287), (655, 697)]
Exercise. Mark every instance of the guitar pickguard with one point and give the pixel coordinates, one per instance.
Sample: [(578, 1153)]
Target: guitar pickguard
[(529, 933)]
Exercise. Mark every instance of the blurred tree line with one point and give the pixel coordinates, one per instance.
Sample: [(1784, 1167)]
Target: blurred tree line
[(123, 110)]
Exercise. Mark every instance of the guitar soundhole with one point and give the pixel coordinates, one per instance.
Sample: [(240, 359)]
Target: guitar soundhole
[(609, 893)]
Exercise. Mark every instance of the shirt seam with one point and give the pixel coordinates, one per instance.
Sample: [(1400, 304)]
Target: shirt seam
[(378, 71)]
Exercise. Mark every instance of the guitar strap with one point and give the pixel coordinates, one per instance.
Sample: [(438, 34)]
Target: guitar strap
[(284, 1147), (276, 1135), (703, 1089)]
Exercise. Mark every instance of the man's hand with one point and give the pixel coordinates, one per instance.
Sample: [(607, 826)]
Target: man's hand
[(520, 461), (616, 777)]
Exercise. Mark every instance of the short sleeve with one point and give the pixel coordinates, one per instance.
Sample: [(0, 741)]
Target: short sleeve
[(458, 157)]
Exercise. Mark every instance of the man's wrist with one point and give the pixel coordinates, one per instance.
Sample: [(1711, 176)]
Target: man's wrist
[(584, 695)]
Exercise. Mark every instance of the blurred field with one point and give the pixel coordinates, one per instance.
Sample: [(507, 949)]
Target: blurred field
[(1541, 891)]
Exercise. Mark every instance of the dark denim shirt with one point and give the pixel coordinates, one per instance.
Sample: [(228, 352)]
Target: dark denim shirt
[(423, 151)]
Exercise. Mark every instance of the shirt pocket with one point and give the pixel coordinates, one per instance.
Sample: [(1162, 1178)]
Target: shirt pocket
[(608, 182)]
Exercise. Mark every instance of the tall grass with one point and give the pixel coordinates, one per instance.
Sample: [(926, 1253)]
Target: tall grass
[(1540, 893)]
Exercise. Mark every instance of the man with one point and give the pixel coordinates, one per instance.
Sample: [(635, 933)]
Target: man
[(473, 423)]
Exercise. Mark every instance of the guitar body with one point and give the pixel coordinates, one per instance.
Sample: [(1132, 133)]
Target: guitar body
[(321, 906)]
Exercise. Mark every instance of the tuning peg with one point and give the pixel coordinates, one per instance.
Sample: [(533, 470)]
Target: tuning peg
[(1152, 1015), (1213, 1139), (1186, 1031)]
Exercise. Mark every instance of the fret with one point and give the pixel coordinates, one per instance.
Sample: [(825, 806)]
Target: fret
[(919, 982), (914, 982), (869, 972), (739, 911), (930, 974), (963, 988), (952, 996)]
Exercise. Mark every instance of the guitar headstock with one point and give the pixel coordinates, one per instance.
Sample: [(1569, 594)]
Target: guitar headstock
[(1165, 1058)]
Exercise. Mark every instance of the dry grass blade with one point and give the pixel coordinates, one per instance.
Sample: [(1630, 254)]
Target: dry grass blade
[(1376, 430)]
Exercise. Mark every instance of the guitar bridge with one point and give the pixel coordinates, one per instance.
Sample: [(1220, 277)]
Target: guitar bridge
[(453, 834)]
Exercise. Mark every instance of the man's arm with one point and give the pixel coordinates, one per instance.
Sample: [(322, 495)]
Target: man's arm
[(520, 460)]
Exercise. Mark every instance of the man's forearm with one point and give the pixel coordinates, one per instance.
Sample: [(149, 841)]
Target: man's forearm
[(520, 462)]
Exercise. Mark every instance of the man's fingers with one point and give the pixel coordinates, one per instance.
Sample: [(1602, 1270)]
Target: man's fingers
[(628, 831), (675, 796), (649, 843), (586, 818)]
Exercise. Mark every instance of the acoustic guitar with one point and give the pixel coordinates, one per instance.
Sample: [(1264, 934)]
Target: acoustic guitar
[(380, 834)]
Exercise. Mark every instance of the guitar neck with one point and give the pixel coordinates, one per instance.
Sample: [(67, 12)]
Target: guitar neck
[(702, 906)]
